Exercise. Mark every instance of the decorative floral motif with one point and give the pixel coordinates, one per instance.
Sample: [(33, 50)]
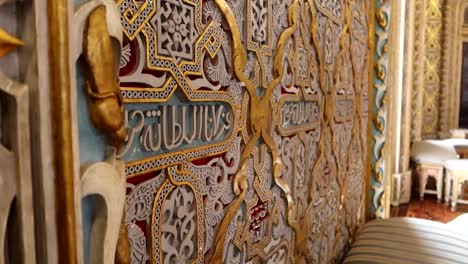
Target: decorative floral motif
[(177, 29), (125, 56), (260, 20), (332, 8), (179, 226), (138, 210)]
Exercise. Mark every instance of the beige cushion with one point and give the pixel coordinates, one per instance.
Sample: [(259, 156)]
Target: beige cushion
[(458, 133), (433, 152), (451, 142), (457, 165)]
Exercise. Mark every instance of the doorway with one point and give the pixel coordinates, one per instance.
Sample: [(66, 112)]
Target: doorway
[(463, 114)]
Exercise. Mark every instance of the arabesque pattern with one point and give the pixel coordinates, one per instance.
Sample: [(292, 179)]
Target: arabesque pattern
[(247, 128), (379, 111)]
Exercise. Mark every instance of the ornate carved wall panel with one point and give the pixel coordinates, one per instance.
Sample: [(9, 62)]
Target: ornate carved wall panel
[(419, 68), (433, 52), (247, 128), (431, 89)]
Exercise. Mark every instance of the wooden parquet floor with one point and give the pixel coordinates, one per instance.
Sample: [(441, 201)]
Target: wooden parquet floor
[(429, 209)]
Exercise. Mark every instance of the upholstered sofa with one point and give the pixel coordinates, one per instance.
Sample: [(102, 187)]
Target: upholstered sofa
[(411, 240)]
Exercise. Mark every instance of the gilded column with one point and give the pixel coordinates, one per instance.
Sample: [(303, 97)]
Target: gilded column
[(62, 130)]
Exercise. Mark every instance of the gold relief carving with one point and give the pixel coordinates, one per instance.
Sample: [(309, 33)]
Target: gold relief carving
[(318, 98), (259, 119), (122, 252), (380, 70), (8, 43), (379, 124), (104, 99), (382, 19), (257, 232), (369, 123)]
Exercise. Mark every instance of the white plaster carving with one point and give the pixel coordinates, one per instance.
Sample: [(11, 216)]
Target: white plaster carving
[(138, 208), (218, 188), (107, 180), (179, 226), (15, 173), (125, 58)]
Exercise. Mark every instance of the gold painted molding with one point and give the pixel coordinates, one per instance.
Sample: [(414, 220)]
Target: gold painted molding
[(62, 130), (371, 50)]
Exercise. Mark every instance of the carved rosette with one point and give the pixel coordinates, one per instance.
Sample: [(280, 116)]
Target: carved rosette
[(242, 118)]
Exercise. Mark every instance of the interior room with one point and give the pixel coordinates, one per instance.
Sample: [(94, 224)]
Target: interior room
[(233, 131), (429, 180)]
